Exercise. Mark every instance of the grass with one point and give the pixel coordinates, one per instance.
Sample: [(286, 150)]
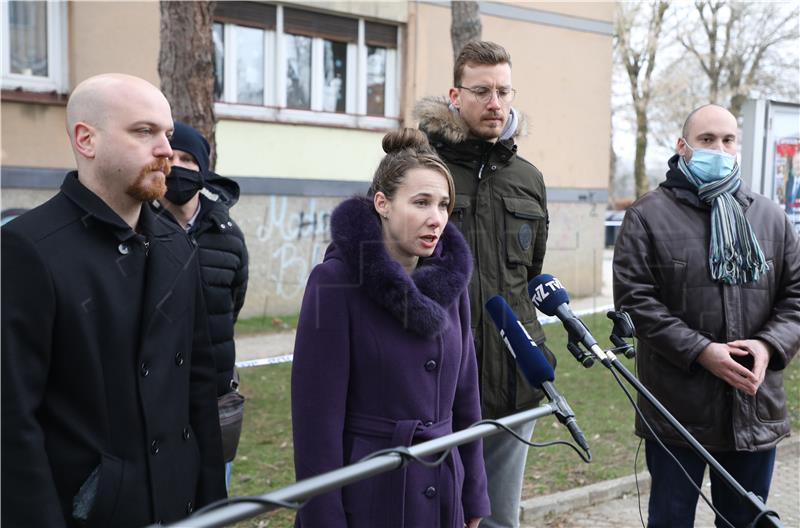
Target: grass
[(264, 460), (602, 411), (266, 324)]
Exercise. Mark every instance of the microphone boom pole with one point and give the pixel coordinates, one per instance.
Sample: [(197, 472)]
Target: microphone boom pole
[(768, 515), (550, 297)]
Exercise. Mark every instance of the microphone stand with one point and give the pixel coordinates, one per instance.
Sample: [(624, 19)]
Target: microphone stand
[(768, 517), (374, 465)]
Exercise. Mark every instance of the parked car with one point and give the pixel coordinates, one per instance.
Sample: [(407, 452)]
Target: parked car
[(613, 223)]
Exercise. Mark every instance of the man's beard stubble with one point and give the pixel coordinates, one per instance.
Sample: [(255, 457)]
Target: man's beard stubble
[(147, 188)]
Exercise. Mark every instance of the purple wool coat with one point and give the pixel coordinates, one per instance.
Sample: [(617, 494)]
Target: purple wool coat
[(385, 359)]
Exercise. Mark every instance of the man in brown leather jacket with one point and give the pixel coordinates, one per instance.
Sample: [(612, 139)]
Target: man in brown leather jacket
[(710, 273)]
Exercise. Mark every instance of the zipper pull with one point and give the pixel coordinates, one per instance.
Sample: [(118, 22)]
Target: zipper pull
[(146, 248)]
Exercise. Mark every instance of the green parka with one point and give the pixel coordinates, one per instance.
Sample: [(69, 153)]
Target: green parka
[(501, 208)]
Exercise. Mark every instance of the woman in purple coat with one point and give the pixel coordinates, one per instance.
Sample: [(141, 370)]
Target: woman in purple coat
[(384, 354)]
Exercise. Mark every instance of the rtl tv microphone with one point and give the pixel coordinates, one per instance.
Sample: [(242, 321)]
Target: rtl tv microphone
[(532, 362), (550, 297)]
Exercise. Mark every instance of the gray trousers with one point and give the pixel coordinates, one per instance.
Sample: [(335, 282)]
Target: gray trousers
[(505, 458)]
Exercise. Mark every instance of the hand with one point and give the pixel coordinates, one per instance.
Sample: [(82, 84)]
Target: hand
[(473, 523), (717, 359), (761, 352)]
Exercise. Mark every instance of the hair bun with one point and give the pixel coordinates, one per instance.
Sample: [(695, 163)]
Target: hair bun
[(405, 138)]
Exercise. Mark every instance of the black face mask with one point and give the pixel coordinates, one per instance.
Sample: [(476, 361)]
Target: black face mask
[(182, 185)]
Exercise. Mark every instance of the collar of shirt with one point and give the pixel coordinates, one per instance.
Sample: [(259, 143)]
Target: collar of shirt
[(193, 219)]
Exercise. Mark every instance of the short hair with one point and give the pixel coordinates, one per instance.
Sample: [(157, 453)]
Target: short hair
[(688, 122), (480, 52), (407, 149)]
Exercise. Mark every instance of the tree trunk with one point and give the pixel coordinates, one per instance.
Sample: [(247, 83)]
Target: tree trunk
[(186, 65), (737, 102), (465, 24), (639, 168)]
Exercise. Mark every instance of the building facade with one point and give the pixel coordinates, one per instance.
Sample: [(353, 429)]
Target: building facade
[(305, 92)]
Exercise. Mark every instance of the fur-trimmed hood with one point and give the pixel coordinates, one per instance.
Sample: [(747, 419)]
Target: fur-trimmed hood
[(418, 301), (437, 118)]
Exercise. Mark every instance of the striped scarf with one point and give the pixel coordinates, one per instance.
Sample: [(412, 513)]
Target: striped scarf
[(734, 255)]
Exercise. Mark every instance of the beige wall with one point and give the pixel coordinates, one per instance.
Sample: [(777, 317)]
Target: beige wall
[(251, 148), (114, 37), (575, 247), (35, 135), (563, 78)]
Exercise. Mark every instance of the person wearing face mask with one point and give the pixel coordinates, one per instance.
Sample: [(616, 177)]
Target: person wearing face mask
[(710, 273), (501, 208), (223, 262)]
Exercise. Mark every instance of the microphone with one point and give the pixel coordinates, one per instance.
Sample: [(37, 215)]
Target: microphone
[(532, 363), (550, 297)]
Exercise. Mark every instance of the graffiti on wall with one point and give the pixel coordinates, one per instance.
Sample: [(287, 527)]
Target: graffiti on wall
[(297, 231)]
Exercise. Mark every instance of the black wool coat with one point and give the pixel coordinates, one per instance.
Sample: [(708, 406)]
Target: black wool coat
[(106, 368)]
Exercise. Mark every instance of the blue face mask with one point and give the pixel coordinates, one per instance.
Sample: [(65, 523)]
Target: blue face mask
[(709, 165)]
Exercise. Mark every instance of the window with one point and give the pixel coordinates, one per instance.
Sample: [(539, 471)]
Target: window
[(381, 40), (249, 65), (33, 45), (298, 71), (286, 64)]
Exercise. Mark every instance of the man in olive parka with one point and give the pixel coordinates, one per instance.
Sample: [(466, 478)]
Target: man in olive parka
[(501, 208)]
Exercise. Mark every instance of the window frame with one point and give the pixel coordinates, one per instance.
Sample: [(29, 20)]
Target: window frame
[(56, 80), (275, 67)]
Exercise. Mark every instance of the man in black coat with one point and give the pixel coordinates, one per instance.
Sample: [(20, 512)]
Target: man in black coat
[(108, 386), (223, 262)]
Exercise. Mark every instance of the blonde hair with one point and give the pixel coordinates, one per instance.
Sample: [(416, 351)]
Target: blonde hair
[(407, 149)]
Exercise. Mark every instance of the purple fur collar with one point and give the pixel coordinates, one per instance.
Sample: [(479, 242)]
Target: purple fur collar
[(419, 300)]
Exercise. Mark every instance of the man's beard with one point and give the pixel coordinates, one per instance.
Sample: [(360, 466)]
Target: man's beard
[(148, 188)]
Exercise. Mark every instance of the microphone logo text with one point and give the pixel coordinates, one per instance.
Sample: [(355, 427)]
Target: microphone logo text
[(544, 290)]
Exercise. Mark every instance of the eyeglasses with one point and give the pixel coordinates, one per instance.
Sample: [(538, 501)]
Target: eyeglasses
[(484, 94)]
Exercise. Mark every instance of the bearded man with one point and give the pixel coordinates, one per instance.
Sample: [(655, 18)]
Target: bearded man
[(108, 383)]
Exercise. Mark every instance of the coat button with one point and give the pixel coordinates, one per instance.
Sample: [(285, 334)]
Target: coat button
[(430, 365), (179, 358), (493, 168), (144, 369), (154, 447), (189, 507), (186, 433), (123, 248), (430, 492)]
